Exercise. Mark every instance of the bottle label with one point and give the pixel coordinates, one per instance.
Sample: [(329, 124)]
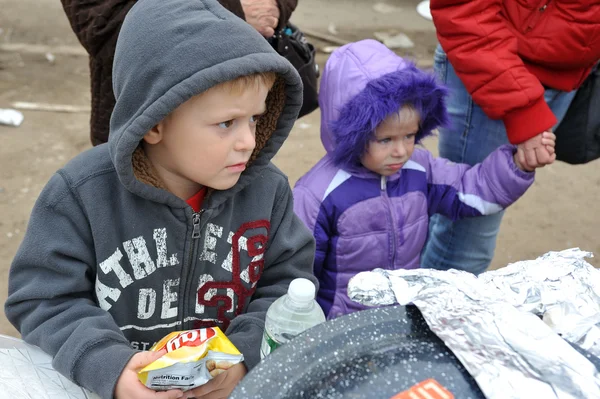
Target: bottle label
[(269, 344)]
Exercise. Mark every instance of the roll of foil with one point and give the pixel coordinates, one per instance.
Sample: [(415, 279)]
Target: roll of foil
[(507, 326)]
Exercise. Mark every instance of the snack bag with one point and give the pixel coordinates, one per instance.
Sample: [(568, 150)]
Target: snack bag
[(193, 357)]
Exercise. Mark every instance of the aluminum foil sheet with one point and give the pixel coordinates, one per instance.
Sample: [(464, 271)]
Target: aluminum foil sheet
[(492, 322), (26, 373), (562, 288)]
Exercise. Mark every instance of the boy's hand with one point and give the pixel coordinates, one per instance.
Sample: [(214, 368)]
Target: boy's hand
[(536, 152), (129, 386), (221, 386), (263, 15)]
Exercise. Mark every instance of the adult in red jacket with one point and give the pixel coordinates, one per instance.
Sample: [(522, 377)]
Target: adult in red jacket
[(512, 67)]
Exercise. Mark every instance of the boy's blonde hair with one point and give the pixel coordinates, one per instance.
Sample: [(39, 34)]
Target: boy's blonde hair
[(275, 102), (241, 83)]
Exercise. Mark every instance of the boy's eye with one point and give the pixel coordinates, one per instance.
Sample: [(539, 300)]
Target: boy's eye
[(226, 124)]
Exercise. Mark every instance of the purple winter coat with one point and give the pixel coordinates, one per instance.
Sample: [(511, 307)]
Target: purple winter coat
[(362, 220)]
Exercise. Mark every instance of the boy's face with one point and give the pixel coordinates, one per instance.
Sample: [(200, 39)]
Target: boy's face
[(208, 140), (394, 143)]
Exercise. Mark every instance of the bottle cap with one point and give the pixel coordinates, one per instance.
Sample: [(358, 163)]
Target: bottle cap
[(301, 290)]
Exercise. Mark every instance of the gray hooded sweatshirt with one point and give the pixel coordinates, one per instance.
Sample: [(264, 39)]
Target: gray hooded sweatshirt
[(111, 262)]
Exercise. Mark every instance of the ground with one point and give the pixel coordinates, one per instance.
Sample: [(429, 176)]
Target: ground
[(556, 213)]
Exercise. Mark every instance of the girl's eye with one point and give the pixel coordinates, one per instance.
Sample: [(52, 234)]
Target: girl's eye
[(384, 141), (411, 137), (226, 124), (255, 118)]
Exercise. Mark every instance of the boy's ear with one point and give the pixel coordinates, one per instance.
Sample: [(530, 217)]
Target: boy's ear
[(154, 135)]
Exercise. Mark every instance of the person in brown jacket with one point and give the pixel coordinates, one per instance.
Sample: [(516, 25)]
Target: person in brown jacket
[(97, 24)]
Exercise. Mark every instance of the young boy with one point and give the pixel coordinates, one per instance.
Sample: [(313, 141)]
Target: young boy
[(180, 221)]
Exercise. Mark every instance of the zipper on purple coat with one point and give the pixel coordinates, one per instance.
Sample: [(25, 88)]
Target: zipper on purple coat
[(390, 216)]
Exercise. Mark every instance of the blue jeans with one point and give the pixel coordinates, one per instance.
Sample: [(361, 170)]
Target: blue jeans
[(469, 244)]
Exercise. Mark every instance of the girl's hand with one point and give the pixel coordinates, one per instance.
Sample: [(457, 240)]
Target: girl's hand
[(536, 152)]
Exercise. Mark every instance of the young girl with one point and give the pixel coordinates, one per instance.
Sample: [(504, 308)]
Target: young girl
[(369, 200)]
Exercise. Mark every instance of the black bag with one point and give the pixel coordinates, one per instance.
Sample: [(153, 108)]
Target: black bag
[(290, 43), (578, 134)]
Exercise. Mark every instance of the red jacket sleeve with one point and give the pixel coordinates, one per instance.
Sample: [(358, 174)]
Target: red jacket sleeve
[(483, 51)]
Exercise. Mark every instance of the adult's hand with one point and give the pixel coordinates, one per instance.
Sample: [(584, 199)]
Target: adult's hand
[(263, 15)]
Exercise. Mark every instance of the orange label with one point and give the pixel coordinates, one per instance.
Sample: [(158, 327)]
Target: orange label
[(428, 389)]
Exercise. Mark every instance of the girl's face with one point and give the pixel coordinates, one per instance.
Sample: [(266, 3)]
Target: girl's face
[(394, 142)]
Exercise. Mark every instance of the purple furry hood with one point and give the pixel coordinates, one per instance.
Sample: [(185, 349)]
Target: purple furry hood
[(362, 84)]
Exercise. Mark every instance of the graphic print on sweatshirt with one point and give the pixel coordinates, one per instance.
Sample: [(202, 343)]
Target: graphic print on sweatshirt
[(142, 280)]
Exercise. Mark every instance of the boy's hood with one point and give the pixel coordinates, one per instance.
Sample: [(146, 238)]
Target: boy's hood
[(171, 50), (362, 84)]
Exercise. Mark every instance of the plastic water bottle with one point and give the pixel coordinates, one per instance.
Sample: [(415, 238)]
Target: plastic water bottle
[(290, 315)]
